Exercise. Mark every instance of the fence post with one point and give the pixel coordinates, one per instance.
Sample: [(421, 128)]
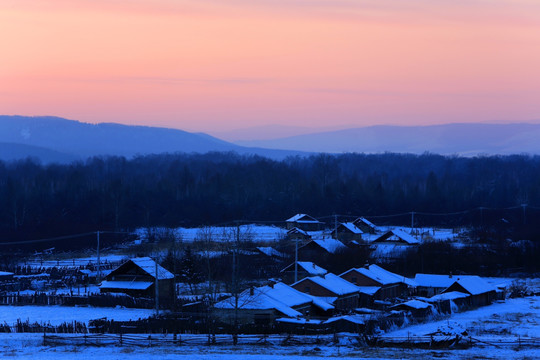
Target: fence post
[(120, 339)]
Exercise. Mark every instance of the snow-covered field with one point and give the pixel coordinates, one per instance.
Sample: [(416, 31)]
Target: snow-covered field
[(514, 318), (259, 233), (56, 315), (30, 346)]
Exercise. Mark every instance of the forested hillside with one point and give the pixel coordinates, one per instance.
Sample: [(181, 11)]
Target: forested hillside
[(188, 190)]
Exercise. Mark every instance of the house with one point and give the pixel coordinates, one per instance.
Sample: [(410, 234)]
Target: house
[(366, 226), (320, 249), (265, 304), (303, 269), (428, 285), (391, 285), (347, 232), (137, 277), (481, 292), (303, 222), (337, 291), (396, 236)]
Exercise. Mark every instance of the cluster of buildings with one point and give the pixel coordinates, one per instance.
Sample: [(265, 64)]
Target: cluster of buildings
[(314, 243), (353, 297)]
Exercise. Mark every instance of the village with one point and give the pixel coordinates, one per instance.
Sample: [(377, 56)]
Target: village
[(305, 278)]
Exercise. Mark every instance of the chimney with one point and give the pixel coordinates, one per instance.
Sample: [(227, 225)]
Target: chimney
[(450, 276), (251, 291)]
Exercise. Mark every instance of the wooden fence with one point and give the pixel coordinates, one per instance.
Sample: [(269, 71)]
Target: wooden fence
[(179, 340), (97, 300), (423, 342)]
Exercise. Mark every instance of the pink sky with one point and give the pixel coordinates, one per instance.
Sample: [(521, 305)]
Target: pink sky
[(204, 65)]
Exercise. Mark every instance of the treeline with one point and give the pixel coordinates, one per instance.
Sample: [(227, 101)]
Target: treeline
[(115, 194)]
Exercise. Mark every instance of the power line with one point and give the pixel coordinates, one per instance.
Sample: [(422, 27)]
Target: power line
[(57, 238)]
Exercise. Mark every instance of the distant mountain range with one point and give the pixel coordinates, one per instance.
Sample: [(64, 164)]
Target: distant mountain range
[(53, 139), (465, 139)]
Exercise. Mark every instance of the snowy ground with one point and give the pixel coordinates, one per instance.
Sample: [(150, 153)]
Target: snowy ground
[(56, 315), (512, 318), (74, 262), (508, 320), (259, 233), (30, 346)]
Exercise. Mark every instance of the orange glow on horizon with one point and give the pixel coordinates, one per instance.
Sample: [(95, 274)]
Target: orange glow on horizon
[(206, 65)]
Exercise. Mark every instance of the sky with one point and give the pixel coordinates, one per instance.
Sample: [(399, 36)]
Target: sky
[(213, 65)]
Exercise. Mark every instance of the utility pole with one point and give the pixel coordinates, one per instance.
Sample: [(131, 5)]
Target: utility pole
[(235, 285), (335, 226), (296, 260), (524, 206), (157, 287), (98, 260), (412, 221)]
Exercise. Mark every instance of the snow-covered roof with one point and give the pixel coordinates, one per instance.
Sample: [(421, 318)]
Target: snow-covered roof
[(260, 300), (333, 283), (279, 296), (413, 304), (436, 280), (303, 218), (292, 297), (368, 290), (127, 285), (329, 244), (270, 251), (307, 266), (356, 319), (312, 268), (352, 228), (323, 303), (382, 276), (474, 285), (451, 295), (367, 222), (286, 294), (296, 230), (302, 321), (149, 266), (398, 235)]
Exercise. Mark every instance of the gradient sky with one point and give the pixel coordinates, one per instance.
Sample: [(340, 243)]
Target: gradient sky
[(203, 65)]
